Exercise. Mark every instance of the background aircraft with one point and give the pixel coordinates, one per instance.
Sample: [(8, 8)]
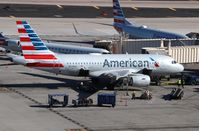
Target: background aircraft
[(98, 67), (122, 25), (14, 45)]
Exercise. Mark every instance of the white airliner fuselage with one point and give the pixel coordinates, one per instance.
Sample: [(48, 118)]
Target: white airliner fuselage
[(109, 66), (99, 64)]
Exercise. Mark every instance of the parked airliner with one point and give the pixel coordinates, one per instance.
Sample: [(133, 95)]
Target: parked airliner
[(117, 66), (122, 25), (13, 45)]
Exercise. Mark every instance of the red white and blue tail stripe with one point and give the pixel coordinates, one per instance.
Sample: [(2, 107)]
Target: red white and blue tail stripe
[(118, 15), (117, 12), (31, 45), (33, 48)]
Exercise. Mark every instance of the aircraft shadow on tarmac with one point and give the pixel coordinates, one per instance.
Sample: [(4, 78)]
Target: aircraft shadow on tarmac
[(71, 83), (66, 82), (36, 85)]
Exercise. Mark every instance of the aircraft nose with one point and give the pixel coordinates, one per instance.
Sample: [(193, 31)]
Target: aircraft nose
[(180, 67)]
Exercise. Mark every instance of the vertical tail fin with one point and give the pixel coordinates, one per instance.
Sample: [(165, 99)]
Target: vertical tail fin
[(35, 52), (32, 46), (118, 15)]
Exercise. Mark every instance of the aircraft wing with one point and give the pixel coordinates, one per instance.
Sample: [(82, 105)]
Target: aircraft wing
[(120, 73)]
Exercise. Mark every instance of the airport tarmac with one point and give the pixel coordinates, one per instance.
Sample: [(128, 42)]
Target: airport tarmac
[(62, 28), (79, 11), (23, 99), (125, 3)]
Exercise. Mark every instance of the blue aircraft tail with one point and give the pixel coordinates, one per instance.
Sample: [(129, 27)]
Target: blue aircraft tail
[(119, 18), (1, 36)]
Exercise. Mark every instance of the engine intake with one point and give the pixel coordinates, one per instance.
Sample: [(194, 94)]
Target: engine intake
[(139, 80)]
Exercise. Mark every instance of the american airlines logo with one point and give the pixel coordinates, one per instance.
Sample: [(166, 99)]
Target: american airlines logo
[(130, 63), (155, 63)]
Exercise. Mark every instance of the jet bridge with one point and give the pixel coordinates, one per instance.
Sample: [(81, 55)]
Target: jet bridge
[(182, 50), (134, 46)]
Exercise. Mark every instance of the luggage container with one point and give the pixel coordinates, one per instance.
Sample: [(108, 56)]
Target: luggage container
[(55, 99), (106, 98)]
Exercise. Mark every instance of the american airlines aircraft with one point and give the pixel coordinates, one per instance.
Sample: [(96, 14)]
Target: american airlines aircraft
[(122, 25), (13, 45), (98, 67)]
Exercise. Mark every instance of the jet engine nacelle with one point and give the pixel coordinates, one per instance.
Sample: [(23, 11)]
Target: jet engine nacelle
[(140, 80)]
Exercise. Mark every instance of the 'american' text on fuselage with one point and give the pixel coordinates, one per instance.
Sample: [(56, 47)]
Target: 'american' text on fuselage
[(125, 63)]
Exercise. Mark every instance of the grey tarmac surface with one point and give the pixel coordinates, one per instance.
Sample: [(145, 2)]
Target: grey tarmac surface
[(124, 3), (23, 99), (62, 28), (79, 11)]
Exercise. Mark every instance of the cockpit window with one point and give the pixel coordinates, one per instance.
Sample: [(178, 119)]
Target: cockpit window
[(173, 62)]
